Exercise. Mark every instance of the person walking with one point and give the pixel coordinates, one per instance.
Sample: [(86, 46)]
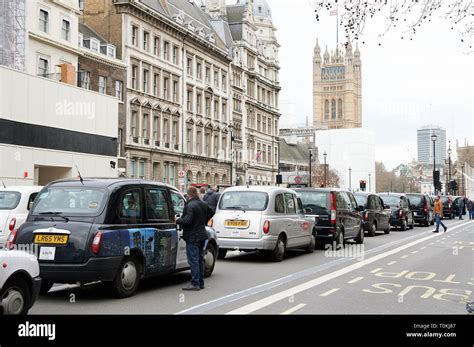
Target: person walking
[(470, 209), (438, 210), (211, 198), (461, 207), (195, 216), (202, 193)]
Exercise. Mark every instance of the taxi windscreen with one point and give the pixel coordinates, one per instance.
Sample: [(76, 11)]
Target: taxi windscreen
[(66, 201), (247, 201)]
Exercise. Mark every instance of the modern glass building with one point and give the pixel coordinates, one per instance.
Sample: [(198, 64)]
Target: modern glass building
[(425, 144)]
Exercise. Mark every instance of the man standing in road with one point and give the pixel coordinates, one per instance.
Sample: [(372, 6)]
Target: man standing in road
[(211, 198), (461, 207), (470, 208), (195, 216), (438, 210)]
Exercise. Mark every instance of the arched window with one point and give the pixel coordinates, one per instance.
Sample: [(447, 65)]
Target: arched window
[(333, 109), (339, 108), (326, 109)]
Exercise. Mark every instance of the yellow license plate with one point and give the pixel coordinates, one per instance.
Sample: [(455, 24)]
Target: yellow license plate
[(51, 239), (241, 224)]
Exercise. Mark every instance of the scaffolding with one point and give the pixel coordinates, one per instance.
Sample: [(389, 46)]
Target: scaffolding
[(13, 34)]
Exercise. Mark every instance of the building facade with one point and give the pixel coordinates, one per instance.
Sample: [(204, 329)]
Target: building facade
[(425, 145), (337, 88)]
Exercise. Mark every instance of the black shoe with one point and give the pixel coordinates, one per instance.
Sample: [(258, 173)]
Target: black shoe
[(191, 287), (445, 229), (435, 231), (201, 286)]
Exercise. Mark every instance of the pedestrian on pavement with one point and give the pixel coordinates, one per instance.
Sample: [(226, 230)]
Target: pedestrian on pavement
[(211, 198), (461, 207), (195, 216), (202, 192), (470, 208), (438, 210)]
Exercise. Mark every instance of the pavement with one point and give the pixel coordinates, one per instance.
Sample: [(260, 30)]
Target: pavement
[(411, 272)]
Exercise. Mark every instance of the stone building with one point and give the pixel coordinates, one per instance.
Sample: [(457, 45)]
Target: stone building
[(337, 88)]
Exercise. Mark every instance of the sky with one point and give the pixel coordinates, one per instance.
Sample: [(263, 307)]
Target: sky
[(405, 84)]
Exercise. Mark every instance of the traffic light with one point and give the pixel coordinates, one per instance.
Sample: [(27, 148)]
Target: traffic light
[(362, 185), (454, 186)]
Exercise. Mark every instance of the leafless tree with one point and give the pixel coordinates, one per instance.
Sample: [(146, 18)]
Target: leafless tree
[(407, 16), (332, 179)]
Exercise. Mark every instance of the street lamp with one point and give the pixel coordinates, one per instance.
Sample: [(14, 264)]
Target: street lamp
[(350, 179), (463, 181), (434, 137), (231, 128), (449, 167), (310, 161), (325, 174)]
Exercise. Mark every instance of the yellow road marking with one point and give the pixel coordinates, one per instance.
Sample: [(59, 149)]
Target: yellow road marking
[(357, 279), (376, 270), (404, 256), (392, 262), (329, 292), (294, 309)]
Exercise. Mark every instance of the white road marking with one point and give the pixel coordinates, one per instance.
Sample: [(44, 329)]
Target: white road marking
[(423, 247), (404, 256), (375, 270), (392, 262), (294, 309), (329, 292), (259, 304), (357, 279), (414, 252)]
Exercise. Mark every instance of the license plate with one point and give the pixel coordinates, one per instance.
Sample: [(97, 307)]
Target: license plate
[(47, 253), (51, 239), (239, 224), (415, 213)]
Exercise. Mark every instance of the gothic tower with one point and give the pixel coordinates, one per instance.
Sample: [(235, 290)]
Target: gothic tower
[(337, 88), (215, 8)]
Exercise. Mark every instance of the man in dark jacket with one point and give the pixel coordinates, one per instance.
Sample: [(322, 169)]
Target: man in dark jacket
[(211, 198), (195, 216)]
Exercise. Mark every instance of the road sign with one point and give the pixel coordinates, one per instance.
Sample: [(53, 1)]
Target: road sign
[(181, 174), (181, 181), (298, 179)]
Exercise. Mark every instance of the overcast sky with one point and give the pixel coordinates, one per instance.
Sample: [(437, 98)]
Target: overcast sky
[(401, 79)]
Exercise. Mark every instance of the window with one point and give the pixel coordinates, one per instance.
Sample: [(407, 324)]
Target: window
[(111, 51), (134, 35), (279, 204), (216, 109), (165, 173), (145, 126), (199, 71), (175, 55), (85, 79), (119, 90), (224, 111), (326, 109), (177, 202), (189, 97), (333, 109), (146, 36), (224, 82), (198, 142), (270, 127), (166, 50), (81, 5), (216, 145), (166, 130), (174, 133), (258, 122), (189, 139), (156, 205), (175, 91), (166, 82), (43, 67), (156, 81), (190, 66), (130, 207), (208, 106), (132, 168), (172, 174), (94, 45), (339, 108), (141, 169), (156, 125), (216, 79), (264, 124), (198, 103), (290, 203), (133, 123), (134, 76), (156, 46), (208, 74), (66, 30), (102, 84), (145, 81), (156, 168), (44, 21)]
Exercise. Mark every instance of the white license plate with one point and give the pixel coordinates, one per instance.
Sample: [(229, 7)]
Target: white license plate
[(47, 253)]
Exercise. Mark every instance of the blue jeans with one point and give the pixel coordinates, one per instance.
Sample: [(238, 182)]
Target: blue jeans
[(471, 214), (461, 209), (438, 222), (195, 253)]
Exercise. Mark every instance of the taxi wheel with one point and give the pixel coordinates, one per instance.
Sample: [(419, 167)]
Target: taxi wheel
[(312, 244), (15, 297), (127, 279), (209, 260), (387, 231), (404, 225), (279, 252), (412, 225), (360, 237), (373, 230), (45, 287)]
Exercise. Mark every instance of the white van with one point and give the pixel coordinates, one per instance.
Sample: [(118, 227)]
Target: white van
[(15, 204), (265, 218)]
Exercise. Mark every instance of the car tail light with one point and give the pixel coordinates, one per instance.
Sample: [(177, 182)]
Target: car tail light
[(266, 226), (95, 248), (210, 223), (366, 216), (11, 226), (425, 209), (400, 213), (333, 209), (11, 239)]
